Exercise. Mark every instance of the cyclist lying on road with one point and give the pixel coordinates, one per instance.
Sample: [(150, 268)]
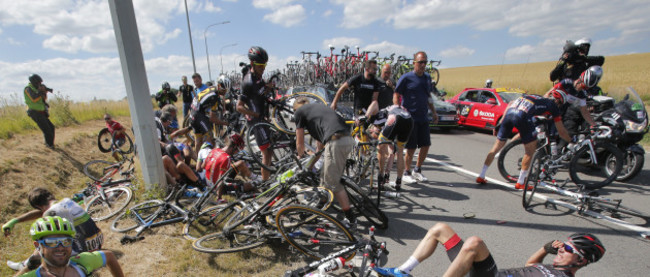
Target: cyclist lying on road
[(89, 237), (219, 161), (473, 256), (53, 238)]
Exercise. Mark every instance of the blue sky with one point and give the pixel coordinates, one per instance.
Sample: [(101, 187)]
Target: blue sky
[(71, 43)]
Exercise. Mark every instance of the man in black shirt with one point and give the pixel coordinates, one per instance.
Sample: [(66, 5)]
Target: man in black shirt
[(387, 87), (185, 91), (473, 256), (364, 86), (253, 101), (331, 132)]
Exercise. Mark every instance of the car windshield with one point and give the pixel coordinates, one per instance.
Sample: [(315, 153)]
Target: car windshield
[(509, 96)]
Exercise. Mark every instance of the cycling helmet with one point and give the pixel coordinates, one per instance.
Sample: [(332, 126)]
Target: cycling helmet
[(209, 83), (584, 44), (588, 245), (51, 225), (224, 82), (591, 76), (173, 152), (35, 79), (165, 85), (488, 83), (237, 141), (560, 95), (258, 54)]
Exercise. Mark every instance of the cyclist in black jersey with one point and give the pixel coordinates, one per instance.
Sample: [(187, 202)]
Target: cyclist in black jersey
[(473, 256), (253, 101), (365, 87)]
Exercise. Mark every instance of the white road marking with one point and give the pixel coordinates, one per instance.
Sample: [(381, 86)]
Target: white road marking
[(641, 230)]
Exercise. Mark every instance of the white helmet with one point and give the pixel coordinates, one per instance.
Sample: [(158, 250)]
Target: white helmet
[(583, 45), (224, 82), (488, 83)]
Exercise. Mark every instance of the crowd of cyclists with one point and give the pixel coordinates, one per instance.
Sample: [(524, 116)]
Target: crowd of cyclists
[(66, 238)]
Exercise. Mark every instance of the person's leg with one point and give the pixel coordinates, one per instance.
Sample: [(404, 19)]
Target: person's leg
[(266, 159), (424, 142), (49, 135), (382, 157), (496, 147), (408, 159), (529, 149), (186, 171), (44, 124), (334, 157), (424, 151), (473, 251)]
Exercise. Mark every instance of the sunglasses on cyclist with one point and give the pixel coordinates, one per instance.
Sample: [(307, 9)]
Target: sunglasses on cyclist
[(570, 249), (420, 62), (259, 64), (56, 242)]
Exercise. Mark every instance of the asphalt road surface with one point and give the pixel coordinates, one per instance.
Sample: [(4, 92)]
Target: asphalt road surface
[(511, 232)]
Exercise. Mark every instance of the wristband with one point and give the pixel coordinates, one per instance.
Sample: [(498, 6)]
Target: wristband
[(549, 248), (10, 224)]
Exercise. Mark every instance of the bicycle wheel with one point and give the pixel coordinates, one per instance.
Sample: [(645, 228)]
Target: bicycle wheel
[(239, 238), (100, 171), (509, 162), (207, 221), (584, 171), (364, 205), (622, 212), (280, 145), (131, 218), (116, 200), (435, 74), (104, 141), (313, 232), (123, 145), (282, 114), (318, 198), (632, 165), (533, 179)]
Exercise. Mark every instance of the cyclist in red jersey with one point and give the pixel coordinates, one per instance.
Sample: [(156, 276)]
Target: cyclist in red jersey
[(220, 160)]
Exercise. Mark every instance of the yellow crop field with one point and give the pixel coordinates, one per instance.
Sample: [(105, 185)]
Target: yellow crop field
[(619, 72)]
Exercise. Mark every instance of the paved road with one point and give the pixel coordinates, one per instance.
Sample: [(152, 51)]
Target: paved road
[(511, 233)]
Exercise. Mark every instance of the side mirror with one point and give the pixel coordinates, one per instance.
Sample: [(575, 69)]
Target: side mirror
[(491, 101)]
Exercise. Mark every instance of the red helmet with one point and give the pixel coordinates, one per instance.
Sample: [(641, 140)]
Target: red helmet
[(559, 95), (237, 141)]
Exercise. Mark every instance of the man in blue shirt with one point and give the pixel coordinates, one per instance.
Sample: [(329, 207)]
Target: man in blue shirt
[(413, 92), (198, 84)]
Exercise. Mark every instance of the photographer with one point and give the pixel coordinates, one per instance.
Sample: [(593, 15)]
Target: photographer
[(575, 60), (35, 97)]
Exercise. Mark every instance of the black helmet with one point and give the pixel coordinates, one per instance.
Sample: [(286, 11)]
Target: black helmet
[(35, 79), (588, 245), (173, 152), (165, 85), (258, 54)]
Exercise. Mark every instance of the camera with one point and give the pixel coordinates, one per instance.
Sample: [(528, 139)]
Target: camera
[(48, 89)]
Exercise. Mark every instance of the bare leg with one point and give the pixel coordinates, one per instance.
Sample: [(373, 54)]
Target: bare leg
[(529, 149), (186, 170), (400, 161), (439, 233), (409, 158), (342, 197), (266, 159), (498, 145), (474, 250), (424, 151), (382, 156)]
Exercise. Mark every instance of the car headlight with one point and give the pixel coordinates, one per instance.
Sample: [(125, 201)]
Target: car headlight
[(633, 127)]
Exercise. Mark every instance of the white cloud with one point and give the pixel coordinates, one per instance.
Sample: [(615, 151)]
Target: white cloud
[(209, 7), (287, 16), (457, 52), (520, 52), (386, 48), (360, 13), (15, 42), (340, 42), (270, 4), (327, 13)]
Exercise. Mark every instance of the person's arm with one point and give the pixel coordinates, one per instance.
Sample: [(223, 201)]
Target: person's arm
[(564, 134), (540, 254), (215, 119), (29, 216), (300, 141), (342, 89), (587, 116), (433, 110), (241, 108), (112, 264), (180, 132)]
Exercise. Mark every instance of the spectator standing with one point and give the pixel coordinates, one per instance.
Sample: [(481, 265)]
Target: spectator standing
[(35, 98), (165, 96), (185, 91)]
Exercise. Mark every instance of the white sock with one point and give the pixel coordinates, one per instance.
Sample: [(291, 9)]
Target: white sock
[(409, 265), (483, 171), (522, 176)]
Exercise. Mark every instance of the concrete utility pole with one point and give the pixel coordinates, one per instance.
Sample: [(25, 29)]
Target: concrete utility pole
[(189, 31), (221, 55), (137, 91)]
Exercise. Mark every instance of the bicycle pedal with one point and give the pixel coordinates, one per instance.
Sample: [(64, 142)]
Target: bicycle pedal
[(548, 205)]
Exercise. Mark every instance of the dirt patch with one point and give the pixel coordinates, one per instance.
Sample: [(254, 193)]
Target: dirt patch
[(26, 163)]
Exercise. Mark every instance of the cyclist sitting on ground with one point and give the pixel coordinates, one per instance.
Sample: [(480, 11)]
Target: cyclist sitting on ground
[(219, 161), (177, 171), (54, 239), (474, 257), (253, 95), (204, 113), (162, 124), (173, 111), (89, 237), (520, 113), (207, 146), (329, 129), (397, 124)]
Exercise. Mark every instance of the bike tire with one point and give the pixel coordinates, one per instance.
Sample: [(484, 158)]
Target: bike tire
[(242, 237), (280, 145), (533, 179), (100, 170), (313, 232), (104, 140), (128, 220), (618, 208), (204, 223), (281, 114), (117, 199), (435, 75), (636, 160), (125, 147), (364, 205), (509, 161), (585, 173)]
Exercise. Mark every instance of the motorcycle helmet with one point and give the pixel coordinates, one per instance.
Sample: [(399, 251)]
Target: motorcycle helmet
[(165, 85), (583, 45)]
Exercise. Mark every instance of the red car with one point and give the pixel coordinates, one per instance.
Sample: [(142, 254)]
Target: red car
[(483, 107)]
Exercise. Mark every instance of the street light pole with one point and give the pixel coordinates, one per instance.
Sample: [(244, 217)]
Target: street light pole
[(221, 56), (206, 45), (189, 31)]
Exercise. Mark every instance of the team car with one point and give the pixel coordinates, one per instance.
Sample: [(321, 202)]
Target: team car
[(447, 113), (483, 107)]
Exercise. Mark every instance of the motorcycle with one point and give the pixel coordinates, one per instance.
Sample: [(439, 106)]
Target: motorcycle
[(629, 121)]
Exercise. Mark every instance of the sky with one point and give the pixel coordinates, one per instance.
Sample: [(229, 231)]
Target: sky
[(71, 43)]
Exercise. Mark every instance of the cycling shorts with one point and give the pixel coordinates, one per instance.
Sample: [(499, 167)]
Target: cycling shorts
[(262, 136), (520, 120), (397, 127), (200, 123)]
